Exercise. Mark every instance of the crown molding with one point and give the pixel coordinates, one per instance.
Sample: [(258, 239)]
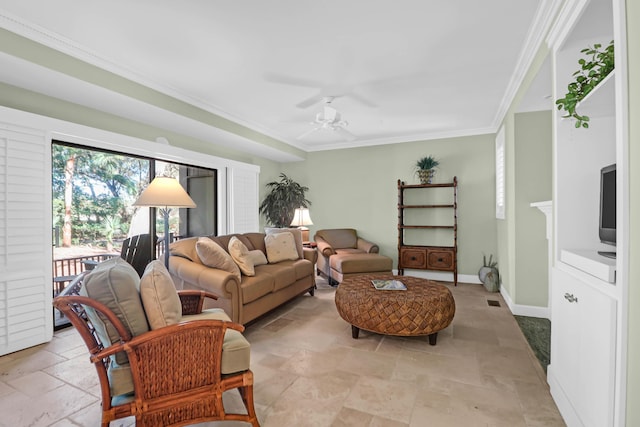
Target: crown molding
[(404, 139), (542, 23), (66, 46), (567, 19)]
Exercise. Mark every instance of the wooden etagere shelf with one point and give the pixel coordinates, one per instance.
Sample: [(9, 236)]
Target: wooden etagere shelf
[(427, 257)]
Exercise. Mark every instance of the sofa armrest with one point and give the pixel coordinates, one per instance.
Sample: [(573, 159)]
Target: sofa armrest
[(367, 246), (324, 247), (310, 254)]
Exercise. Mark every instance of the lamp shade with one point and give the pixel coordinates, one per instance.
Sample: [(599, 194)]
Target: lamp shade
[(301, 217), (165, 192)]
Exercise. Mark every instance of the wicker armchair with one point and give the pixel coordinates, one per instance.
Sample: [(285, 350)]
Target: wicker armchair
[(176, 370)]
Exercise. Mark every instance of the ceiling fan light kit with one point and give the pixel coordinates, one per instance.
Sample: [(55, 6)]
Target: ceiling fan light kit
[(329, 118)]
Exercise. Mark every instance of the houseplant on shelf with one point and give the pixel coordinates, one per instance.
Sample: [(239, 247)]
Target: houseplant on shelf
[(425, 168), (284, 197), (488, 274), (598, 64)]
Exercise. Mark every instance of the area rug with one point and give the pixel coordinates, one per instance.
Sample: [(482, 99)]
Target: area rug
[(538, 333)]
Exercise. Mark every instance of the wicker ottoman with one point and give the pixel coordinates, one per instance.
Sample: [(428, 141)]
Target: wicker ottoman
[(423, 309)]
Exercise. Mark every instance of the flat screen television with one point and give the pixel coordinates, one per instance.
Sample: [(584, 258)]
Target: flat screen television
[(607, 221)]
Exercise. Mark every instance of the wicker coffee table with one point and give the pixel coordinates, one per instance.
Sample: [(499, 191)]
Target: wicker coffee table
[(423, 309)]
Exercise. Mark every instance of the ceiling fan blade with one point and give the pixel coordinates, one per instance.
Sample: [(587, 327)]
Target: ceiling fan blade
[(310, 101), (362, 100), (345, 133), (293, 81), (307, 133)]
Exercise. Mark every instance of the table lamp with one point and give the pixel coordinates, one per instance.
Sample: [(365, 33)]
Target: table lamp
[(301, 219), (165, 193)]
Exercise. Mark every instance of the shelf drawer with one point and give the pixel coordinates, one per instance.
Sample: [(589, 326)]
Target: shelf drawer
[(440, 259), (413, 258)]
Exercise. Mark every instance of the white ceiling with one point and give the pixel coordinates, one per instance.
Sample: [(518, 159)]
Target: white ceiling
[(401, 70)]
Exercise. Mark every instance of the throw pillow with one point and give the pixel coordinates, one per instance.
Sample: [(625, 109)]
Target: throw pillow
[(280, 247), (115, 283), (185, 248), (159, 296), (213, 255), (258, 257), (240, 254), (297, 237)]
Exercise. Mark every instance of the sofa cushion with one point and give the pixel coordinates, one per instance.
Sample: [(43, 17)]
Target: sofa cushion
[(303, 268), (240, 254), (360, 263), (115, 283), (254, 287), (350, 251), (159, 297), (280, 247), (236, 350), (283, 273), (297, 237), (213, 255), (224, 240)]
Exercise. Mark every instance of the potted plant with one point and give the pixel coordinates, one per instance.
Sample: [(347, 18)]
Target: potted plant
[(425, 168), (284, 197), (598, 64), (488, 274)]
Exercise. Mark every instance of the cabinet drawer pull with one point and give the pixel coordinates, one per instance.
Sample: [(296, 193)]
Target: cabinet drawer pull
[(569, 297), (413, 258)]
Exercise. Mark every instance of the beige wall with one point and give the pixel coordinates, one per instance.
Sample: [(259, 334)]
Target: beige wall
[(633, 332), (358, 188), (533, 136)]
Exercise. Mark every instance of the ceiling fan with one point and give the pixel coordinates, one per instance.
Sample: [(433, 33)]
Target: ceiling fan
[(322, 88), (329, 119)]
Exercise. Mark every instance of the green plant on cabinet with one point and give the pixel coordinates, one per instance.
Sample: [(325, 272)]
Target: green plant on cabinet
[(598, 65)]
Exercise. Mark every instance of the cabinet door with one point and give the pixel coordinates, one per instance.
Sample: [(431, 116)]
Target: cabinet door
[(583, 347), (440, 259), (413, 257)]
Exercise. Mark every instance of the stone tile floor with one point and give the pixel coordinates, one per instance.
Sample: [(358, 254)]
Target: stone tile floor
[(310, 372)]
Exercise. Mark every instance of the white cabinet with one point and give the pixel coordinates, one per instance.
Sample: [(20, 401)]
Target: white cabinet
[(588, 313), (583, 348)]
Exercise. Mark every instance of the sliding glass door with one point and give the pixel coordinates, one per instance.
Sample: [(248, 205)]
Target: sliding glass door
[(93, 192)]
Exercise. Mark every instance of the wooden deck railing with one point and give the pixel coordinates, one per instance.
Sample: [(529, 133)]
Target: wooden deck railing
[(66, 269), (75, 266)]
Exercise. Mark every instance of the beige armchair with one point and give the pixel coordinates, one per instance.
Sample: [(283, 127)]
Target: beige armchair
[(342, 253)]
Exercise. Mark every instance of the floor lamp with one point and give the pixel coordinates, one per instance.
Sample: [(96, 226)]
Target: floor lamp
[(301, 219), (165, 193)]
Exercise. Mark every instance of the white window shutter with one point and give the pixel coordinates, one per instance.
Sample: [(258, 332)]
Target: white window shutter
[(26, 314), (243, 200)]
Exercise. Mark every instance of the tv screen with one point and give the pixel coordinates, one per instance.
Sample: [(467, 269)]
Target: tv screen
[(608, 207)]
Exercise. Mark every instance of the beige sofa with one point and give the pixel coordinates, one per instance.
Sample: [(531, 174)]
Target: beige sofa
[(252, 296)]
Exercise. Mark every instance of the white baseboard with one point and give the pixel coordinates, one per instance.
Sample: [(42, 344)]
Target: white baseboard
[(516, 309), (524, 310), (441, 276)]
